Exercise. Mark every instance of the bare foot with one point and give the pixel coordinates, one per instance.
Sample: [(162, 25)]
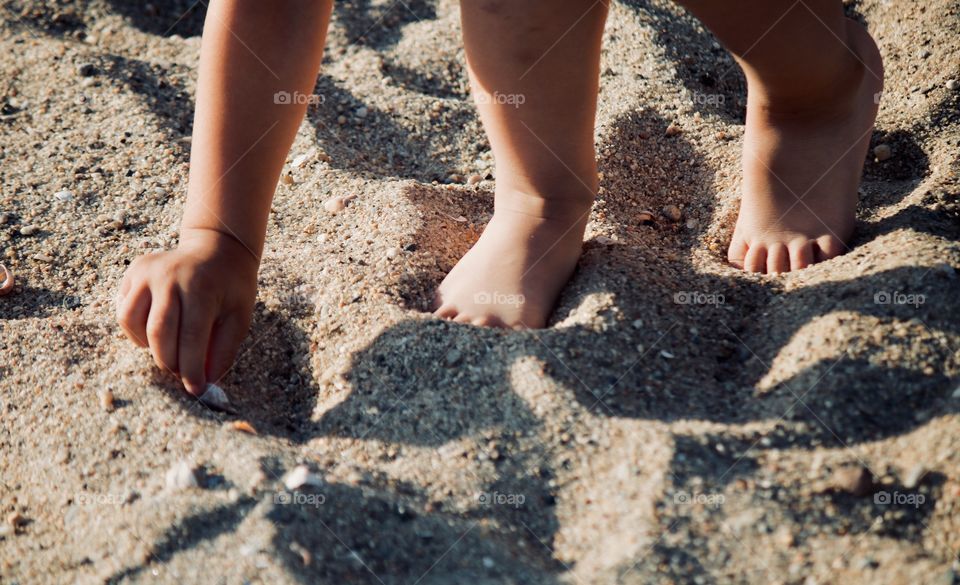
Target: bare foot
[(514, 273), (802, 167)]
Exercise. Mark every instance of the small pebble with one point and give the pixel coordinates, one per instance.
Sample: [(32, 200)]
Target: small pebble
[(672, 129), (392, 253), (474, 179), (882, 152), (87, 70), (453, 357), (341, 120), (362, 112), (105, 397), (336, 204), (853, 479), (914, 476), (181, 476), (672, 212), (952, 84), (300, 476), (4, 218), (215, 398), (286, 179), (45, 258), (300, 160), (28, 230), (64, 195), (666, 354), (645, 217), (16, 520)]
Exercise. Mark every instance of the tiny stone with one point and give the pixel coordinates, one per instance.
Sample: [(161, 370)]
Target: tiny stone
[(474, 179), (215, 397), (16, 520), (4, 218), (341, 120), (666, 354), (106, 398), (853, 479), (64, 195), (335, 204), (287, 179), (488, 563), (691, 224), (300, 476), (672, 212), (455, 178), (672, 129), (28, 230), (45, 258), (362, 112), (914, 476), (952, 84), (392, 252), (453, 357), (181, 476), (882, 152), (645, 217), (300, 160), (87, 70)]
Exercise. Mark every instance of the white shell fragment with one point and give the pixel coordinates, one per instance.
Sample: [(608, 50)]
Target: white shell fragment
[(6, 287), (215, 397), (181, 476), (300, 476), (337, 204), (65, 195)]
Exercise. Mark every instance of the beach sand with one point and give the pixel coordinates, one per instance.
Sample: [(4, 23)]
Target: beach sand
[(677, 422)]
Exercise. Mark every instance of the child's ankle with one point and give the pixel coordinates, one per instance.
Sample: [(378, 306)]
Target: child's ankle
[(558, 205), (821, 90)]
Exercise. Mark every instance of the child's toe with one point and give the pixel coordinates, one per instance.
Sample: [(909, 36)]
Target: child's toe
[(756, 259), (801, 253), (829, 247), (778, 258)]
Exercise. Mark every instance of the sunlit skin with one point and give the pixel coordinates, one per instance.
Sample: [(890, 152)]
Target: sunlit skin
[(534, 70)]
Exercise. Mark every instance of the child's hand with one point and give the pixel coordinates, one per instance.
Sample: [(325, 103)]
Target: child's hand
[(191, 306)]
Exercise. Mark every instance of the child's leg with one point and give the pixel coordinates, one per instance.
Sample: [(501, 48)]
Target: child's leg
[(534, 69), (812, 78)]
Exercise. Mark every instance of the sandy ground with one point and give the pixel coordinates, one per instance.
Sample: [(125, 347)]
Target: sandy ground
[(678, 422)]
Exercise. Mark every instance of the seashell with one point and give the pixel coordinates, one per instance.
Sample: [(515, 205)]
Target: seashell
[(300, 476), (215, 398), (244, 427), (645, 217), (7, 286)]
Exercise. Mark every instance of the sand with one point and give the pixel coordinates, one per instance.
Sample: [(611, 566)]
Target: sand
[(677, 422)]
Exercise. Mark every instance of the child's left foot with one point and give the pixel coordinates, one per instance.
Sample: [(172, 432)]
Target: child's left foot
[(513, 275), (801, 170)]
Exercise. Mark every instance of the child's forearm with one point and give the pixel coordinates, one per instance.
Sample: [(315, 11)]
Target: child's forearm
[(250, 51)]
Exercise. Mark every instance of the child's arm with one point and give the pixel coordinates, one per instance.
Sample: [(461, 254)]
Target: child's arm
[(192, 306)]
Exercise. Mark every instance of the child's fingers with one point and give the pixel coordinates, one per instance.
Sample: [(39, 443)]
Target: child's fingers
[(224, 343), (163, 329), (132, 313), (196, 321)]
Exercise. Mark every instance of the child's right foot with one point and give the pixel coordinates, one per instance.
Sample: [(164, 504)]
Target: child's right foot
[(802, 167)]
